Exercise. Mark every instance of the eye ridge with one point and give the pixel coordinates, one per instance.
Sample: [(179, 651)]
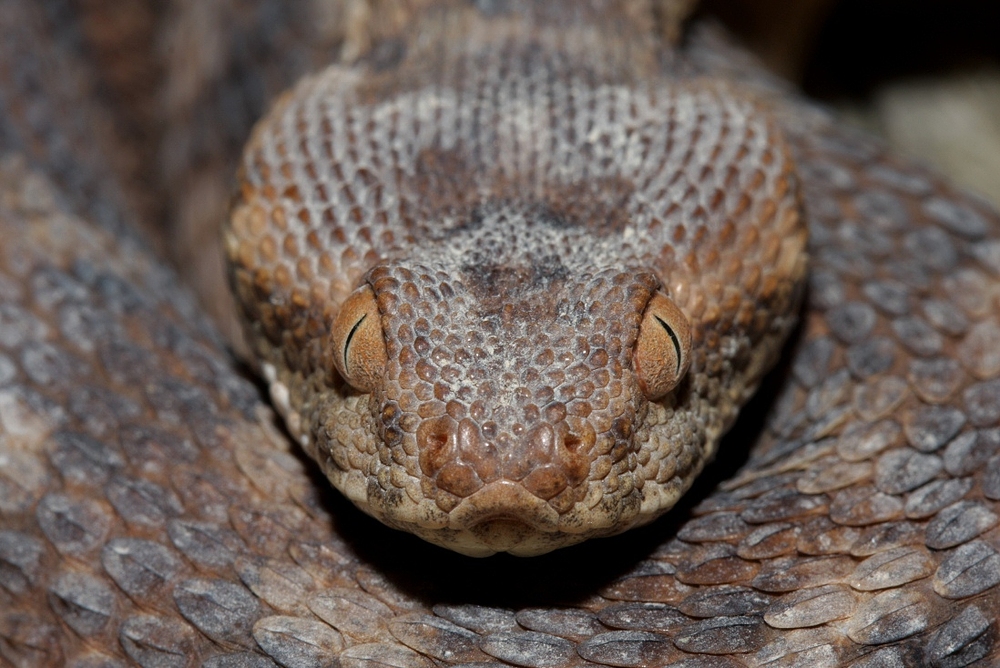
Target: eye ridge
[(673, 337), (347, 342)]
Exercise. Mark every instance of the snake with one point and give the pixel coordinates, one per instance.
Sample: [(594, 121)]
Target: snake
[(510, 271)]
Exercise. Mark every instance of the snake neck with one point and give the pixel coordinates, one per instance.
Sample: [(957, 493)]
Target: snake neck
[(630, 39)]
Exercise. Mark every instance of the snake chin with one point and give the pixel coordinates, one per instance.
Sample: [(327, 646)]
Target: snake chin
[(502, 534), (505, 518)]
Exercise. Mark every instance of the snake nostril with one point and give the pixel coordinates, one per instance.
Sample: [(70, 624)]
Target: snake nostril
[(436, 444), (572, 442)]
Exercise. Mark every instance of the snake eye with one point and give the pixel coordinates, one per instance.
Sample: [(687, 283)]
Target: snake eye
[(359, 344), (663, 349)]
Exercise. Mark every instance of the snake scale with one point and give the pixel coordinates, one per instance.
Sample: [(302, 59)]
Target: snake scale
[(153, 512)]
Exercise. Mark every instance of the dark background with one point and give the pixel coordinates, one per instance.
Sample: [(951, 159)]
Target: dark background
[(925, 74)]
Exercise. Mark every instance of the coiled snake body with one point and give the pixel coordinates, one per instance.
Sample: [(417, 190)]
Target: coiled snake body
[(506, 399)]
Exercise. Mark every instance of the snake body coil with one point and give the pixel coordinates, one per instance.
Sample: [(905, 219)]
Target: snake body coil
[(152, 514)]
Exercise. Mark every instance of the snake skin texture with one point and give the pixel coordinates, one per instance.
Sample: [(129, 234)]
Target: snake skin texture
[(152, 514), (514, 201)]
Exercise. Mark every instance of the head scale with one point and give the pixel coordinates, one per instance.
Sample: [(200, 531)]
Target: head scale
[(506, 329)]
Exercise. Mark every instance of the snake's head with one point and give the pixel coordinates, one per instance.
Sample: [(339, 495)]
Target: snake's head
[(508, 329), (500, 402)]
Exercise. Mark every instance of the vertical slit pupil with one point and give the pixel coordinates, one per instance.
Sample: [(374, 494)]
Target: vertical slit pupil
[(354, 330), (673, 337)]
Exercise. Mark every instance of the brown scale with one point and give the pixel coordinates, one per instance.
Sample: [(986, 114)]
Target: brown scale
[(150, 513), (510, 252)]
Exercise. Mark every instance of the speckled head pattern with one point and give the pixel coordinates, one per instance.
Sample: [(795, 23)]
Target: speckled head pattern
[(514, 199)]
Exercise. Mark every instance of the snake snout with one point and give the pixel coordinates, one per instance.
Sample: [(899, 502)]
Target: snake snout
[(461, 457)]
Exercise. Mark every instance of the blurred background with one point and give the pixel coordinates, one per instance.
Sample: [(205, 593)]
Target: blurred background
[(923, 74)]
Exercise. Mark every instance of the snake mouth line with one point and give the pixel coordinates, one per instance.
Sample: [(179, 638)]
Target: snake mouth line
[(504, 503)]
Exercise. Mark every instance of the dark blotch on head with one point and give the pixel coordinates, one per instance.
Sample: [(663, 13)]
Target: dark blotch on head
[(491, 281)]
